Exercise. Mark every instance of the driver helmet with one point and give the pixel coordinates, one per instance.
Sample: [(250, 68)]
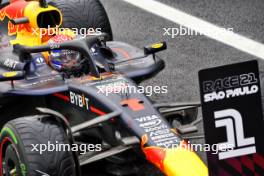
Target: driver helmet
[(63, 60)]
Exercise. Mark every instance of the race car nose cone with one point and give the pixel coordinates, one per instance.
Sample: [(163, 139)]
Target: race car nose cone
[(179, 161), (183, 162)]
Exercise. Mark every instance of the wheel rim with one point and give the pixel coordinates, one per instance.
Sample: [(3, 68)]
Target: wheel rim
[(11, 161)]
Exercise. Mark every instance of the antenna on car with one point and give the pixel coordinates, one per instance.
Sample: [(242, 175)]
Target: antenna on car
[(44, 3)]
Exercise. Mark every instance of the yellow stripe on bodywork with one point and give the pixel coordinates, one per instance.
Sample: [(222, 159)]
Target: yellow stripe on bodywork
[(183, 162), (33, 37), (33, 10)]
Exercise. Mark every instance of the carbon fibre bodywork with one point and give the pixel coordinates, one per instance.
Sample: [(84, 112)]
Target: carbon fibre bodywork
[(81, 100), (44, 83)]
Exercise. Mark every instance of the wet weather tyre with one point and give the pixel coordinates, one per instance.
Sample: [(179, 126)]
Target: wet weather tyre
[(19, 157), (84, 14)]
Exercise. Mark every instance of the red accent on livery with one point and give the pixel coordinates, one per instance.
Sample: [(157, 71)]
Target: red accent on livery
[(61, 96), (133, 104), (97, 111), (13, 11), (156, 156), (61, 38), (67, 99), (5, 140), (153, 154)]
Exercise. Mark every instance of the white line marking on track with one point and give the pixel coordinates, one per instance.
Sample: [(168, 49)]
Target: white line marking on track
[(210, 30)]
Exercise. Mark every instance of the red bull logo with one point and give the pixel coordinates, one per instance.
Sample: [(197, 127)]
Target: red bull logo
[(13, 11), (179, 161), (154, 154)]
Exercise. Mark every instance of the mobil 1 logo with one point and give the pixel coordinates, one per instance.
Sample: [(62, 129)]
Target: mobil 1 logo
[(232, 113), (158, 131)]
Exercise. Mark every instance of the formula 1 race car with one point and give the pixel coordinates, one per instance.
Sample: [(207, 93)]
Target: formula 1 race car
[(70, 101)]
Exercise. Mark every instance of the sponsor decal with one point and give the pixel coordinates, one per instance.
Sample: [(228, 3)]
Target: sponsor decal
[(160, 127), (79, 100), (39, 60), (151, 124), (147, 118), (158, 131), (54, 46), (10, 63), (233, 120)]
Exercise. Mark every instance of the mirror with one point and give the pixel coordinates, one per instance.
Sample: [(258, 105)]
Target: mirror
[(154, 48), (11, 76)]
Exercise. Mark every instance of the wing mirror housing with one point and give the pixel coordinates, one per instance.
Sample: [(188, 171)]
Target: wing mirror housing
[(12, 76), (154, 48)]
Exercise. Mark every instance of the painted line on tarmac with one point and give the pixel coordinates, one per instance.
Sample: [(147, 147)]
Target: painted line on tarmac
[(208, 29)]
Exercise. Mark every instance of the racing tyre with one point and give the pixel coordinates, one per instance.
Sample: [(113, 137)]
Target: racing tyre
[(19, 157), (84, 14)]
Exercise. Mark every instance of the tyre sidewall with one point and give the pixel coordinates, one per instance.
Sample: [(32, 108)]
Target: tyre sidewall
[(9, 132)]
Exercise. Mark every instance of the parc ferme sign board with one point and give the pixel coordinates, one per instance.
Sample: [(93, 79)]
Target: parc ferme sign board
[(233, 119)]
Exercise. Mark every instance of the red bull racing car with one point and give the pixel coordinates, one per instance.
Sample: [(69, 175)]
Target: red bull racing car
[(70, 100)]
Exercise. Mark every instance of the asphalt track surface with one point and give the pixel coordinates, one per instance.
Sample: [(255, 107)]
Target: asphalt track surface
[(186, 55)]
